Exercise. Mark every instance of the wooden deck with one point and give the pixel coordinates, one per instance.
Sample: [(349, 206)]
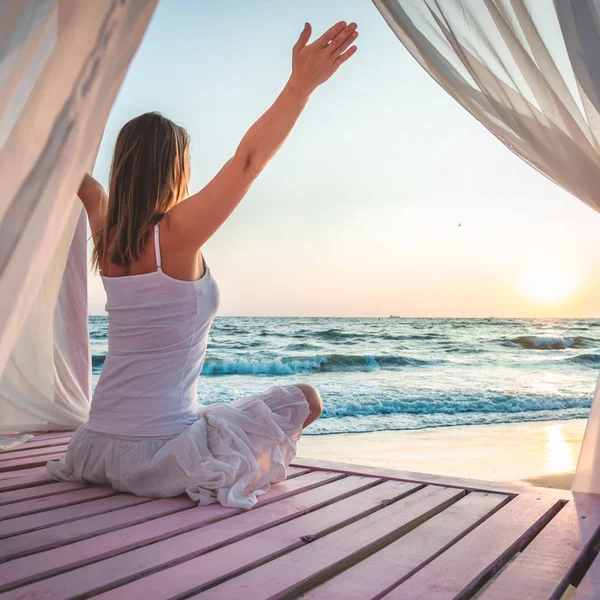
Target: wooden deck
[(331, 531)]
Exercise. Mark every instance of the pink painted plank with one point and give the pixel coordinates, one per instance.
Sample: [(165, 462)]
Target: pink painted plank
[(295, 471), (589, 587), (291, 573), (95, 507), (465, 566), (73, 531), (38, 444), (39, 491), (24, 463), (249, 552), (542, 570), (51, 435), (30, 453), (428, 478), (46, 503), (85, 528), (45, 564), (25, 569), (17, 483), (379, 572), (67, 513), (6, 475)]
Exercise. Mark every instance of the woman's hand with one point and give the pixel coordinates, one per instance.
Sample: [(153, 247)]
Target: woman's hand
[(196, 219), (315, 63)]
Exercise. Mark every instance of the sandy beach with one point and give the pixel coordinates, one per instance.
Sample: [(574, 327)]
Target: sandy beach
[(540, 453)]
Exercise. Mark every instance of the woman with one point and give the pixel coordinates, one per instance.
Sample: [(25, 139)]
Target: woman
[(146, 433)]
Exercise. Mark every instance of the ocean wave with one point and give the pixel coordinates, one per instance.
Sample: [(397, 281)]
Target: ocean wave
[(415, 422), (307, 364), (334, 334), (533, 342), (227, 329), (98, 360), (302, 346), (591, 360), (234, 345), (414, 336), (456, 405)]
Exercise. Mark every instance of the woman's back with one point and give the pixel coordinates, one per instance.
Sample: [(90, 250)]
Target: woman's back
[(144, 435), (157, 335)]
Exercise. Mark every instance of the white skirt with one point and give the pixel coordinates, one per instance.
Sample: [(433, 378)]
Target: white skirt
[(231, 454)]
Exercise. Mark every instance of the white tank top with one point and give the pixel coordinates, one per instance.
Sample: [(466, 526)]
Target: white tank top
[(157, 335)]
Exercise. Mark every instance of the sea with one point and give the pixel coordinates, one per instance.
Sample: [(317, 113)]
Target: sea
[(379, 374)]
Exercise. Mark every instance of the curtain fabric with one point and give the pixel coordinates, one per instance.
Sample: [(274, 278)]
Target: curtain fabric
[(61, 65), (528, 70)]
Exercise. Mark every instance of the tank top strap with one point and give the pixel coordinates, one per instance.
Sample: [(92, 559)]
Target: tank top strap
[(157, 248)]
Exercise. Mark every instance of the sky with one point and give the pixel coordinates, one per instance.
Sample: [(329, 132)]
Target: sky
[(387, 198)]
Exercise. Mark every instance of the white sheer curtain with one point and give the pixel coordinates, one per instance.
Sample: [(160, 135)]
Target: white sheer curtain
[(529, 71), (61, 65)]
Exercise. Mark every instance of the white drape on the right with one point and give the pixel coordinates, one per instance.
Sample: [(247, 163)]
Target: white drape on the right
[(529, 70)]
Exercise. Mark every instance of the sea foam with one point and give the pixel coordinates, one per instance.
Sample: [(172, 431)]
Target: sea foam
[(532, 342)]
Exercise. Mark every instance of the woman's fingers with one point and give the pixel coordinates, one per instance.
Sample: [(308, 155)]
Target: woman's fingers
[(304, 37), (344, 57), (324, 40), (343, 40)]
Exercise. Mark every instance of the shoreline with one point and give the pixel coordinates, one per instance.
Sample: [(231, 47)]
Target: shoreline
[(540, 453)]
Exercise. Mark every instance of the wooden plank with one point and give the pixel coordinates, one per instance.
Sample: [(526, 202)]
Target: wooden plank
[(59, 441), (468, 564), (84, 528), (383, 570), (17, 483), (51, 435), (25, 463), (46, 503), (95, 507), (32, 452), (6, 475), (42, 438), (48, 518), (45, 564), (74, 531), (104, 546), (542, 570), (25, 569), (288, 575), (39, 491), (589, 587), (295, 471), (430, 479), (38, 477), (250, 552), (127, 565), (106, 573)]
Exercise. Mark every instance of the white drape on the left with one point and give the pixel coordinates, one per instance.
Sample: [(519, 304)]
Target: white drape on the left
[(61, 65)]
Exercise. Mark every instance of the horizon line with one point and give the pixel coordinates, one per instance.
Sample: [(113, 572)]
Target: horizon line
[(393, 317)]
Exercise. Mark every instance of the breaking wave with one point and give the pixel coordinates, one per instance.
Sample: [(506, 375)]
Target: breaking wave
[(533, 342), (307, 364)]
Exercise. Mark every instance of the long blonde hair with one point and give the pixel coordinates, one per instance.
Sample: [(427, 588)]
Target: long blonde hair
[(149, 174)]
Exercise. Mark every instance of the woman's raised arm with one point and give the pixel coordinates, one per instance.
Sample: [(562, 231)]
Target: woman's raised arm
[(199, 216), (94, 200)]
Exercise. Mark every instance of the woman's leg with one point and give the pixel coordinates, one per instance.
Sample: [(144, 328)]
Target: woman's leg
[(314, 402)]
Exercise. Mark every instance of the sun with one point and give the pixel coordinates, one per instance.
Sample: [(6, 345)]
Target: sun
[(548, 280)]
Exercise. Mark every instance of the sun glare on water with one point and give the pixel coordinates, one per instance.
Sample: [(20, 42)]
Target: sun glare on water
[(548, 280)]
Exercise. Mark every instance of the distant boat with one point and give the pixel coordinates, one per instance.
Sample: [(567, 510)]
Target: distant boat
[(394, 317)]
